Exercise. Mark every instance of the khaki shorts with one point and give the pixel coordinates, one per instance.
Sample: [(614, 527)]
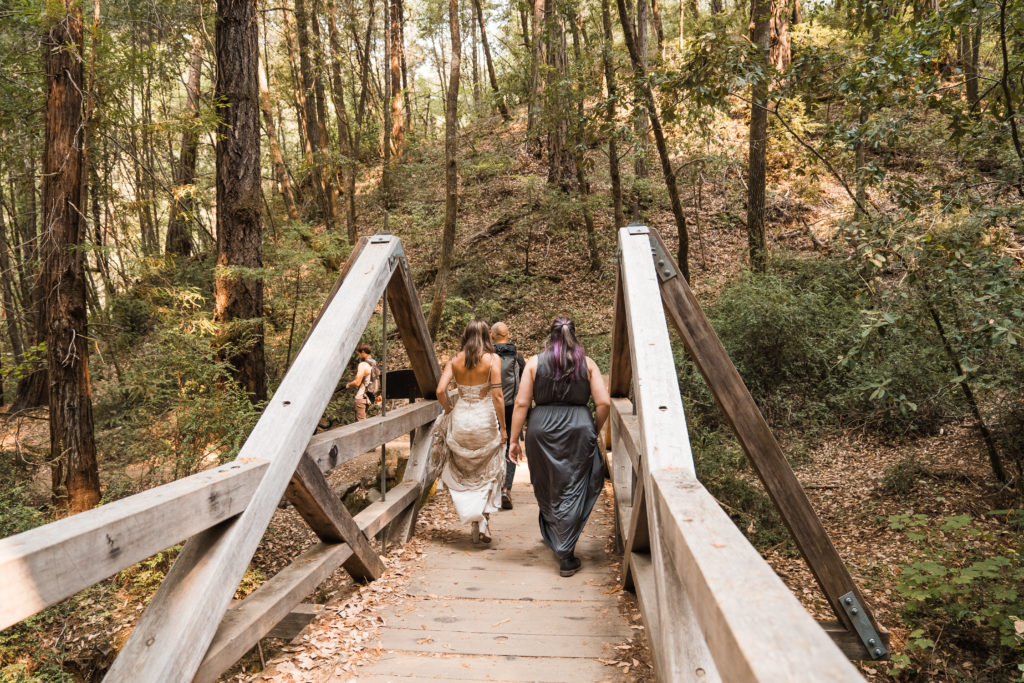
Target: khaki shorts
[(361, 404)]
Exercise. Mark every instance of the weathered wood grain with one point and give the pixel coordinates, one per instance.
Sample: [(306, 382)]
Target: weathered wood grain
[(43, 566), (752, 623), (336, 446), (172, 637), (331, 521), (296, 620), (681, 653), (417, 471), (412, 326), (760, 445)]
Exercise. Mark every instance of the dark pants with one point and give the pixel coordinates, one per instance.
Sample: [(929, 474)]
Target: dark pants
[(510, 467)]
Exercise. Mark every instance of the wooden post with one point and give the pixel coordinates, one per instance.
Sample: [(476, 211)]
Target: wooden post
[(171, 638)]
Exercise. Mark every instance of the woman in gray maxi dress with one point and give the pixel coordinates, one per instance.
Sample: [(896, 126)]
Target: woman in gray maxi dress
[(566, 467)]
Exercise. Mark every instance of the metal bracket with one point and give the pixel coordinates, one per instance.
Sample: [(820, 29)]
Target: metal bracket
[(663, 263), (637, 229), (380, 239), (868, 635)]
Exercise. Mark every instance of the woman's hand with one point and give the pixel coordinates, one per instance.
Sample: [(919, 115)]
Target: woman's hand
[(515, 453)]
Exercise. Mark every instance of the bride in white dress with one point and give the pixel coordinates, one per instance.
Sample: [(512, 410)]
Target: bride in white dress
[(469, 440)]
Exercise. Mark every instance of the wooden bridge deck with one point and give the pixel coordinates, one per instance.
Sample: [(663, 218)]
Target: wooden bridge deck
[(502, 613)]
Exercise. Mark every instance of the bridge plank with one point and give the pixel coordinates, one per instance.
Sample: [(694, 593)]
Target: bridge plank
[(681, 653), (752, 622), (759, 444), (250, 619), (312, 497), (174, 633), (43, 566), (340, 444)]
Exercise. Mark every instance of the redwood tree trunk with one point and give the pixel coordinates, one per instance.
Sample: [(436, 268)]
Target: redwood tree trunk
[(611, 116), (647, 97), (238, 303), (499, 100), (760, 11), (451, 130), (179, 237), (536, 84), (780, 52), (280, 169), (309, 114), (397, 95), (561, 159), (75, 476)]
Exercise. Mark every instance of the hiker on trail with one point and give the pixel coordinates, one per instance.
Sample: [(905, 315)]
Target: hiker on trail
[(367, 380), (512, 365), (470, 437), (566, 466)]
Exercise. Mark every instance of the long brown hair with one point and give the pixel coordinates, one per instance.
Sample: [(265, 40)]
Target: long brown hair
[(476, 342)]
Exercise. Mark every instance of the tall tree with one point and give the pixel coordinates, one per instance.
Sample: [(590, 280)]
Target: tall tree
[(611, 115), (345, 138), (640, 117), (760, 16), (780, 51), (561, 158), (309, 114), (397, 94), (75, 475), (276, 156), (498, 99), (647, 98), (238, 304), (179, 237), (451, 178), (536, 103)]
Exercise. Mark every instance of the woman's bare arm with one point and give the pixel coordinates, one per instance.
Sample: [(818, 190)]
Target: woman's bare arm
[(523, 400), (599, 392), (442, 388), (497, 396)]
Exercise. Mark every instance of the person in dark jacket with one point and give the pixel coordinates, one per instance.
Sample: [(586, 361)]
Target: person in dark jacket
[(512, 365)]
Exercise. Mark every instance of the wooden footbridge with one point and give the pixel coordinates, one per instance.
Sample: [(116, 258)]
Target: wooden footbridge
[(713, 608)]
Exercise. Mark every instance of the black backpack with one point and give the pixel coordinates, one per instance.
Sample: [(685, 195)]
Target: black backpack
[(372, 381), (511, 370)]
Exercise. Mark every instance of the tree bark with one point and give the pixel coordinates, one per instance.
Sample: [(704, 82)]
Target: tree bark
[(474, 62), (647, 95), (640, 129), (309, 115), (397, 94), (760, 11), (451, 177), (780, 52), (179, 237), (659, 29), (325, 161), (498, 99), (611, 117), (582, 186), (75, 475), (238, 305), (561, 159), (534, 115), (31, 391), (277, 158), (345, 138), (7, 291)]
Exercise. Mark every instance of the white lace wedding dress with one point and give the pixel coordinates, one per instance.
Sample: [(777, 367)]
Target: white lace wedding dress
[(468, 451)]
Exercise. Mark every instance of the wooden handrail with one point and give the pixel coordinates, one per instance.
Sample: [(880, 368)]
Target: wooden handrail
[(714, 609), (50, 563)]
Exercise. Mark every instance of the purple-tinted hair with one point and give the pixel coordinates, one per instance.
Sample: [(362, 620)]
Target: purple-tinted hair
[(569, 361)]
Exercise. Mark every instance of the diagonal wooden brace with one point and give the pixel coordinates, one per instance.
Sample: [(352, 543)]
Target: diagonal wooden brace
[(312, 497), (639, 538)]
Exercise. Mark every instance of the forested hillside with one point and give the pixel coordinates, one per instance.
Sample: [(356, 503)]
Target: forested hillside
[(842, 184)]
